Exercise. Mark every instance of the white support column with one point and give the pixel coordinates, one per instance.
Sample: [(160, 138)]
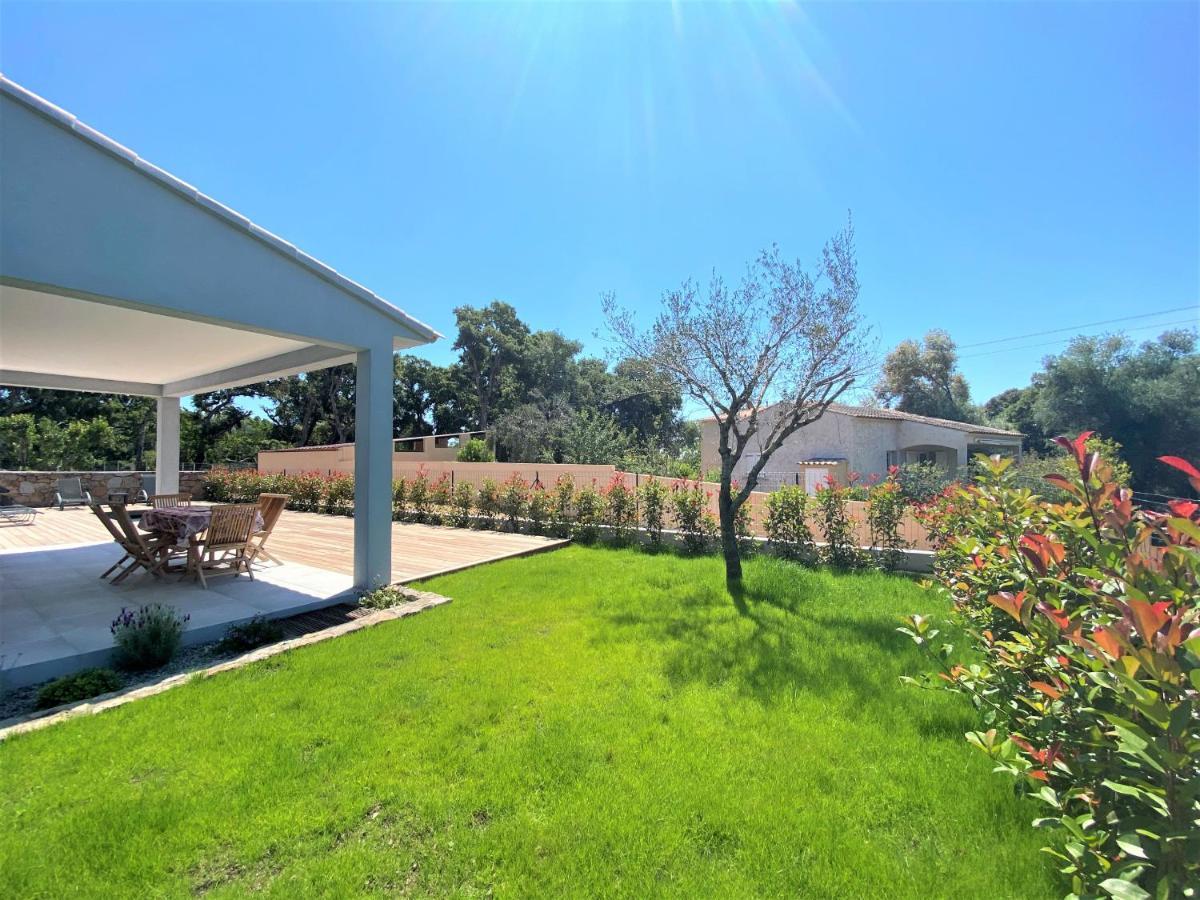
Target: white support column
[(166, 456), (373, 386)]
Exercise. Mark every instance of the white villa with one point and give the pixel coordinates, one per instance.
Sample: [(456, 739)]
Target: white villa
[(862, 439)]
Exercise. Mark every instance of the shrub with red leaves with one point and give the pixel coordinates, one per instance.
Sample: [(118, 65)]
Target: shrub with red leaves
[(1086, 618)]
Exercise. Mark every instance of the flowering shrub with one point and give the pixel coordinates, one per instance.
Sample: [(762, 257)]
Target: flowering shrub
[(885, 512), (653, 496), (620, 504), (841, 549), (788, 531), (589, 513), (562, 508), (148, 637), (514, 500), (487, 502), (698, 526), (1086, 620)]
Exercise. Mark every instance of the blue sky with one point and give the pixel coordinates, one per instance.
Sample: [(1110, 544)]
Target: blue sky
[(1011, 167)]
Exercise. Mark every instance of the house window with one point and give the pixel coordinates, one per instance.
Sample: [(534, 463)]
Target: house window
[(927, 456), (893, 458)]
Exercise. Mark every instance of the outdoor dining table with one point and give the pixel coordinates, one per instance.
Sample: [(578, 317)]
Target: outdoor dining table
[(183, 523)]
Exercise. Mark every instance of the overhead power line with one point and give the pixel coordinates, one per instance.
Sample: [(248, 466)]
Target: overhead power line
[(1065, 340), (1019, 337)]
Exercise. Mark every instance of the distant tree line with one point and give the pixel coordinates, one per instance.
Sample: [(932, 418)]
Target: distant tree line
[(1145, 398)]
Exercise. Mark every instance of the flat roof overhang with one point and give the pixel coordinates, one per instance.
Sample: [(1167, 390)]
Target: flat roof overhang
[(51, 340)]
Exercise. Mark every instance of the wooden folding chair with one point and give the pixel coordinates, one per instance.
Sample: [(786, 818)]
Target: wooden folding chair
[(144, 552), (271, 506), (225, 549), (161, 501)]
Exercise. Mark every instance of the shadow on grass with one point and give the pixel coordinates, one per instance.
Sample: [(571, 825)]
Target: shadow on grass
[(780, 632)]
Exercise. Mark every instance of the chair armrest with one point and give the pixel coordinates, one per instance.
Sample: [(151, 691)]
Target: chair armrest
[(87, 495), (58, 497)]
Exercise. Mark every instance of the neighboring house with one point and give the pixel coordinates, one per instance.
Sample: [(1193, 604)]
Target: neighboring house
[(860, 439), (330, 458)]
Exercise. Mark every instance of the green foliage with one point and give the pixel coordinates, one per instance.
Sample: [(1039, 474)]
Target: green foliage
[(1145, 397), (589, 514), (840, 550), (400, 508), (620, 504), (245, 636), (562, 510), (476, 450), (653, 498), (147, 637), (886, 506), (79, 686), (420, 501), (242, 443), (462, 501), (1084, 623), (541, 506), (594, 439), (788, 532), (42, 444), (339, 494), (386, 597), (923, 378), (514, 500), (696, 525), (921, 482), (1032, 469), (487, 502)]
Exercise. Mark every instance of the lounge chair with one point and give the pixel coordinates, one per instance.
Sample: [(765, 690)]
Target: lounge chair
[(271, 506), (143, 493), (225, 549), (71, 493)]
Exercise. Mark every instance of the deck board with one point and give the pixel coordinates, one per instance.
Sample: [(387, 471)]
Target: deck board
[(324, 542)]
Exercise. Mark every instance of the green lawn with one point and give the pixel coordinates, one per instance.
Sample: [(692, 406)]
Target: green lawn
[(585, 722)]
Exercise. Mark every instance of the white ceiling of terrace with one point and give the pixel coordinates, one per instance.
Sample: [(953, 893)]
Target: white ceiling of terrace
[(43, 332)]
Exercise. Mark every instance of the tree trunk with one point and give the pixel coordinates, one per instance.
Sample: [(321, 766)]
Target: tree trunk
[(728, 519)]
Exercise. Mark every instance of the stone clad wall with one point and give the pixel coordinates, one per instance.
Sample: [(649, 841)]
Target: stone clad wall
[(37, 488)]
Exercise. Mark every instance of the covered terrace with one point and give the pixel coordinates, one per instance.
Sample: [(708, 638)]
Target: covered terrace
[(117, 277)]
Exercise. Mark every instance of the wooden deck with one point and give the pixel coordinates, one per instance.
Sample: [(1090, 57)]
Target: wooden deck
[(324, 542)]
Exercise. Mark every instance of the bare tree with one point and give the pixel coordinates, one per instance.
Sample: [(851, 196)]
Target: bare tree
[(765, 358)]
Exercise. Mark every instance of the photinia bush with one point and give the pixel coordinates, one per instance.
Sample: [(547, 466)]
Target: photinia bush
[(540, 507), (589, 513), (885, 511), (652, 497), (461, 501), (562, 512), (1085, 619), (620, 504), (487, 502), (514, 500), (840, 550), (689, 507), (788, 531)]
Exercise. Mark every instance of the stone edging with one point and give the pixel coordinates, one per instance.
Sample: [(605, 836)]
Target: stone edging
[(422, 601)]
